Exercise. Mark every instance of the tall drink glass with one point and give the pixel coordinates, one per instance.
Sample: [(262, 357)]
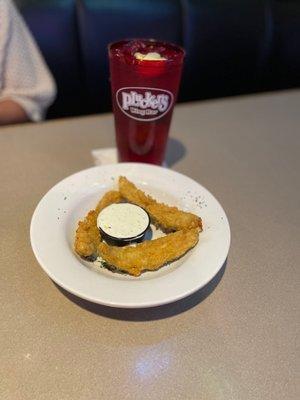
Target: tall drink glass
[(145, 76)]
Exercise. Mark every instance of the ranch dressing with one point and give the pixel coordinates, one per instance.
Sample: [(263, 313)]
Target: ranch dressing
[(123, 220)]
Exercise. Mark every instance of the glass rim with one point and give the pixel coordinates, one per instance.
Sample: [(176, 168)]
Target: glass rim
[(162, 42)]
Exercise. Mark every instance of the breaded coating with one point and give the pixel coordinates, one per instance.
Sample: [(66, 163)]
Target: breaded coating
[(131, 193), (151, 254), (88, 236), (168, 218), (111, 197)]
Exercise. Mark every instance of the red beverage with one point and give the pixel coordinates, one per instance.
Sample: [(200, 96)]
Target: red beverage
[(145, 76)]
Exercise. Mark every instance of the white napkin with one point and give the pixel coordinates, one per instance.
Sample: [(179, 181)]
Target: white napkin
[(108, 155), (105, 156)]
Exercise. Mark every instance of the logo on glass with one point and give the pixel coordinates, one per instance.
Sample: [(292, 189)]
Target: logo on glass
[(143, 103)]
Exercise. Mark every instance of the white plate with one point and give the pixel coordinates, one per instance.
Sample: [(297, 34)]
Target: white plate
[(54, 223)]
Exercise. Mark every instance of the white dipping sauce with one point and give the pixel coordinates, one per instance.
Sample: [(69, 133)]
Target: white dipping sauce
[(123, 220)]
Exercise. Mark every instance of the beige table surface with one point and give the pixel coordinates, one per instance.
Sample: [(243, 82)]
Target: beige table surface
[(236, 339)]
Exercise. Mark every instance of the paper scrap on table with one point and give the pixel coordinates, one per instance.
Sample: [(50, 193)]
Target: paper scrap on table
[(109, 155), (105, 156)]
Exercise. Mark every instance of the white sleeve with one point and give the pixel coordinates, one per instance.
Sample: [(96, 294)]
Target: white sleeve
[(24, 76)]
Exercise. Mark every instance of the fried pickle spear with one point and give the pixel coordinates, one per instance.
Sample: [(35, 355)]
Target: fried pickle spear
[(88, 236), (111, 197), (168, 218), (151, 254)]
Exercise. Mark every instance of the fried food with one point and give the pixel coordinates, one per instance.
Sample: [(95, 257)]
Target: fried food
[(151, 254), (168, 218), (88, 236), (111, 197)]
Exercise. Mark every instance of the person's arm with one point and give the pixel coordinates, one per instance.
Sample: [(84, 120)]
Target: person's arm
[(25, 81), (12, 113)]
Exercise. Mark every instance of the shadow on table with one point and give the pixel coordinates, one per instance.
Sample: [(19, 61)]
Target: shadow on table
[(175, 151), (151, 313)]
